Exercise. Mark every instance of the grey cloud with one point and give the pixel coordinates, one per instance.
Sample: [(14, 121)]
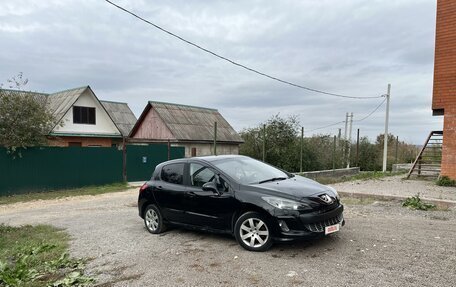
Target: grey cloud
[(352, 47)]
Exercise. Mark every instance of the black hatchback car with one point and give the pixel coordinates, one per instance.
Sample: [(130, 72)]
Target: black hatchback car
[(254, 201)]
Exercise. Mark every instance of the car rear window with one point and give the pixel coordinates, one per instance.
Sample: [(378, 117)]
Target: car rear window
[(173, 173)]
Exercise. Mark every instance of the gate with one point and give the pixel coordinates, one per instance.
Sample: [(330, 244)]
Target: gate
[(142, 159)]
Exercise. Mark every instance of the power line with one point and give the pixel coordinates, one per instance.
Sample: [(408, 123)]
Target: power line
[(330, 125), (371, 113), (341, 122), (234, 62)]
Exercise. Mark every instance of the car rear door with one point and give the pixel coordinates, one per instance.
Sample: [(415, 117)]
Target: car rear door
[(169, 191)]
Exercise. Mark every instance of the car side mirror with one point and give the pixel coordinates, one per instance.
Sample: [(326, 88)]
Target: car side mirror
[(211, 186)]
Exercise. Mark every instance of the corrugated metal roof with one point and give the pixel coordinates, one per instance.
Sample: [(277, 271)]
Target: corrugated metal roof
[(60, 102), (40, 96), (122, 116), (195, 123)]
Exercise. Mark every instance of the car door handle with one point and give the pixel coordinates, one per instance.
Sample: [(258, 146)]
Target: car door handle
[(191, 194), (160, 187)]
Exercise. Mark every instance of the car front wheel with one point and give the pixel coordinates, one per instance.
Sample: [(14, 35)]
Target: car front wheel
[(253, 232), (153, 219)]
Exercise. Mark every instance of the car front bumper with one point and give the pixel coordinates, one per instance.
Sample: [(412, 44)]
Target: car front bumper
[(307, 225)]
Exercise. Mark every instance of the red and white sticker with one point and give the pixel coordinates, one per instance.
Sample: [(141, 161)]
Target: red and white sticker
[(332, 228)]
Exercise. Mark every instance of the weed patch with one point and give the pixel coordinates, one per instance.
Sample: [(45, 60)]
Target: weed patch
[(446, 181), (37, 256), (415, 202)]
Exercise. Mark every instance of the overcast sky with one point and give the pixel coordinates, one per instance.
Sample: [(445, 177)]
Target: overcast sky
[(351, 47)]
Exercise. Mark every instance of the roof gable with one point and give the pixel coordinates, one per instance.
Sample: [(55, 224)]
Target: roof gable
[(59, 103), (190, 123), (86, 98)]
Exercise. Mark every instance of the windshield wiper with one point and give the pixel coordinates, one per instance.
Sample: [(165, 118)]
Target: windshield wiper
[(273, 179)]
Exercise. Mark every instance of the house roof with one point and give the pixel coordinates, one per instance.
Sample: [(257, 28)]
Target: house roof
[(190, 123), (121, 115), (60, 102)]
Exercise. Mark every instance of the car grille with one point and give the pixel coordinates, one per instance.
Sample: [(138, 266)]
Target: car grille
[(320, 226), (324, 209)]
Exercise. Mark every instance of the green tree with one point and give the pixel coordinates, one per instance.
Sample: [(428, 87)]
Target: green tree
[(369, 155), (283, 146), (281, 141), (25, 120)]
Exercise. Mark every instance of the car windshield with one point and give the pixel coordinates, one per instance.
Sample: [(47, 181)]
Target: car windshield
[(250, 171)]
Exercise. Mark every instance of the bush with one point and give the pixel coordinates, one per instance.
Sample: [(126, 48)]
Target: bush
[(446, 181)]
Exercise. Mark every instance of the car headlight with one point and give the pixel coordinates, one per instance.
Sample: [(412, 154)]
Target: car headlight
[(335, 191), (282, 203)]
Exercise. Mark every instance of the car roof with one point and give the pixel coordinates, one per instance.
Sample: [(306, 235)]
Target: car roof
[(209, 158)]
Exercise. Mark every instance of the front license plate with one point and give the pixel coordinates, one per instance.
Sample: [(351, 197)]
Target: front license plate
[(332, 228)]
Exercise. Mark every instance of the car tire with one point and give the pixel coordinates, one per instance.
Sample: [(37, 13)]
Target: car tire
[(253, 231), (153, 219)]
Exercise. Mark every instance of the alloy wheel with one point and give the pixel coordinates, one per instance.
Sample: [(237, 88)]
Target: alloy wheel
[(254, 232), (152, 220)]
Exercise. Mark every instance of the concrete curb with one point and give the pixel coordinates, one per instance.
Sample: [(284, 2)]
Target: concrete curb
[(137, 184), (440, 203)]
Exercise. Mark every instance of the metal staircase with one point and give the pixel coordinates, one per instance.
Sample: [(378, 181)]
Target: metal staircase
[(428, 162)]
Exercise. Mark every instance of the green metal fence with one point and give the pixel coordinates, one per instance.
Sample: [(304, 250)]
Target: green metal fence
[(142, 159), (50, 168)]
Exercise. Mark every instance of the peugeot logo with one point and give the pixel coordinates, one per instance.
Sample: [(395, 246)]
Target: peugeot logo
[(326, 198)]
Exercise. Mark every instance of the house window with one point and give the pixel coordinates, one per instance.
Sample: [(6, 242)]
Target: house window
[(83, 115), (193, 151)]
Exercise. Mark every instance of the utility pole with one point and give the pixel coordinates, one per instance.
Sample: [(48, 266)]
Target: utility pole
[(215, 138), (264, 143), (357, 148), (344, 146), (349, 140), (169, 149), (346, 125), (338, 136), (302, 140), (385, 137), (334, 154), (397, 148)]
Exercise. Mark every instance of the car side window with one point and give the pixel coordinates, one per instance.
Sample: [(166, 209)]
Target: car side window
[(173, 173), (222, 185), (200, 174)]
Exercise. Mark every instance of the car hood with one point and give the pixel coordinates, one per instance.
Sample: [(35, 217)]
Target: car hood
[(298, 187)]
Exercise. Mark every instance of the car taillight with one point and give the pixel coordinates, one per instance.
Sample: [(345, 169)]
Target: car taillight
[(143, 187)]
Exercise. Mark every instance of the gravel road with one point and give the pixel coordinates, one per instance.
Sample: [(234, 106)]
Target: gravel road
[(382, 244)]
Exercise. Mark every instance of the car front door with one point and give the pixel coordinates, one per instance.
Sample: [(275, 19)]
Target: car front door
[(213, 209), (169, 191)]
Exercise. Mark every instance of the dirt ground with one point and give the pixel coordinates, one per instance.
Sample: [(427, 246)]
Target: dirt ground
[(383, 244)]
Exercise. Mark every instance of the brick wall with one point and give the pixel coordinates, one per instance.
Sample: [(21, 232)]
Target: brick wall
[(444, 93), (445, 55), (85, 141), (449, 141)]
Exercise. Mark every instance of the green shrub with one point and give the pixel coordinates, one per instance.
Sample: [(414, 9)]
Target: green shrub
[(415, 202), (446, 181)]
